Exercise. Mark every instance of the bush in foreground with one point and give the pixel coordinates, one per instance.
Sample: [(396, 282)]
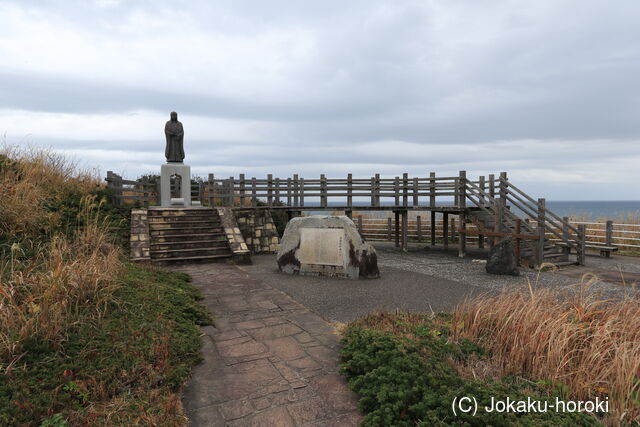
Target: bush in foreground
[(124, 368), (407, 371)]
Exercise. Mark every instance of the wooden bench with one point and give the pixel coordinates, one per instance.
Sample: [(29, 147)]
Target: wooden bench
[(605, 251)]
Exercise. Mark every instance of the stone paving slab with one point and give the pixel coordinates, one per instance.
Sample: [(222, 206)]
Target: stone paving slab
[(268, 361)]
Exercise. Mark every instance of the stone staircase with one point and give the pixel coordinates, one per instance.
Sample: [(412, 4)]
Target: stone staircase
[(186, 235)]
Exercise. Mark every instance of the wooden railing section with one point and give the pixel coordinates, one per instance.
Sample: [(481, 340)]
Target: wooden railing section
[(299, 192)]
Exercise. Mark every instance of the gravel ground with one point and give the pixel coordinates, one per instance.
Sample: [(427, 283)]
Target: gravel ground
[(423, 280)]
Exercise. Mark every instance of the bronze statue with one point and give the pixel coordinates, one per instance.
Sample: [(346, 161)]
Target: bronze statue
[(174, 151)]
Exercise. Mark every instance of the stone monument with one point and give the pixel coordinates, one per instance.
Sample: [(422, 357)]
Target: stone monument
[(174, 152), (322, 245)]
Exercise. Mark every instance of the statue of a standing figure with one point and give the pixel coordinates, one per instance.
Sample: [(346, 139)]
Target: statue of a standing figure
[(174, 152)]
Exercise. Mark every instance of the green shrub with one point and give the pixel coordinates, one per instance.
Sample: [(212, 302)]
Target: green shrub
[(139, 354), (405, 381)]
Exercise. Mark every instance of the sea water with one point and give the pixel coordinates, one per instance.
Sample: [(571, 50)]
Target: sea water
[(587, 209)]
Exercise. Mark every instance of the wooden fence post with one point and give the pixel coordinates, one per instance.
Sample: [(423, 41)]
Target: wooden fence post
[(433, 228), (462, 248), (277, 191), (405, 189), (301, 191), (503, 188), (230, 190), (270, 190), (110, 187), (518, 230), (492, 186), (609, 234), (445, 229), (416, 198), (396, 191), (372, 190), (377, 193), (323, 191), (565, 235), (499, 218), (201, 197), (211, 189), (254, 192), (114, 185), (541, 231), (405, 229), (296, 200), (397, 227), (453, 230), (482, 201), (349, 190), (242, 189), (432, 189), (119, 189), (389, 229), (582, 236), (419, 228)]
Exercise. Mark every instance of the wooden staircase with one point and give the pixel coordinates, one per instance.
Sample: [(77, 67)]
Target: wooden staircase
[(186, 235), (551, 252), (546, 236)]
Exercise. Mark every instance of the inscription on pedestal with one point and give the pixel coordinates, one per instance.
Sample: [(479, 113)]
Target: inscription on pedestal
[(321, 246)]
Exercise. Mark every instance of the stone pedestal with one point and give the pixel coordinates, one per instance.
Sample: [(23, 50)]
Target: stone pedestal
[(166, 172)]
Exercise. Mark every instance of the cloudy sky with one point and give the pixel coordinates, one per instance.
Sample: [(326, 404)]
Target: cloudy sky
[(548, 91)]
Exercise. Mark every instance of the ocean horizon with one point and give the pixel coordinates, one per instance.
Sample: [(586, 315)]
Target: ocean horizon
[(587, 209)]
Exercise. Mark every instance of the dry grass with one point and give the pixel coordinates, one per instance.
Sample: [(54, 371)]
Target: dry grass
[(43, 296), (589, 345), (31, 180)]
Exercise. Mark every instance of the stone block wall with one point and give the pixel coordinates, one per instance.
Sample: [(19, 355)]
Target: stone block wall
[(139, 240), (237, 244), (259, 231)]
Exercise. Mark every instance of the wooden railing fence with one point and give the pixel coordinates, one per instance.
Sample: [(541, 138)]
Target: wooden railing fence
[(497, 197)]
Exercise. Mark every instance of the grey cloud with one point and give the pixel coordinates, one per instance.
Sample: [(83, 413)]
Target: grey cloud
[(465, 73)]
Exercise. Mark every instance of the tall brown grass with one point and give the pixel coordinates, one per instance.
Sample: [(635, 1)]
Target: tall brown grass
[(589, 344), (49, 280), (33, 179), (69, 280)]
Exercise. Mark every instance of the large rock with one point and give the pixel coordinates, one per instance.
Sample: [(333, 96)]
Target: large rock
[(502, 258), (323, 245)]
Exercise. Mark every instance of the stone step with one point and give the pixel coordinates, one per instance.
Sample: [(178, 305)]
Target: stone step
[(183, 222), (214, 233), (166, 236), (185, 229), (190, 252), (185, 244), (190, 259), (181, 219), (179, 211)]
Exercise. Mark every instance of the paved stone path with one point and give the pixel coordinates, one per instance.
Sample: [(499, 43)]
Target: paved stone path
[(268, 361)]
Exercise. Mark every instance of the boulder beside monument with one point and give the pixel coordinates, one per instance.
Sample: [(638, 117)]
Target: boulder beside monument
[(324, 245), (502, 258)]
